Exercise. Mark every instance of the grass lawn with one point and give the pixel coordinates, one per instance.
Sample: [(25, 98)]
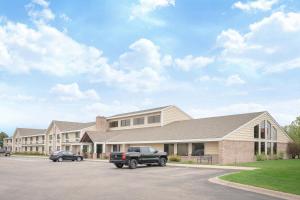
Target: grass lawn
[(280, 175)]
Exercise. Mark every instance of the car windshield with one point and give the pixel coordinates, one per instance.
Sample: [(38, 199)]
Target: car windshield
[(57, 152)]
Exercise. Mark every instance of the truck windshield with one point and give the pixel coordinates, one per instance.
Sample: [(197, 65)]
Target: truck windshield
[(133, 149)]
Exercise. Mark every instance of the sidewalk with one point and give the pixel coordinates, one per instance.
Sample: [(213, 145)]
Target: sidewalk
[(210, 166), (258, 190)]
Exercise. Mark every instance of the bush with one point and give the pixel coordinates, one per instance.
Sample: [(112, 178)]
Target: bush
[(29, 153), (280, 155), (294, 150), (261, 157), (175, 158)]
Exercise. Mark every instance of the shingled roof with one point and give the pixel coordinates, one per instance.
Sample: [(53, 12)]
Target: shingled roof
[(70, 126), (30, 131), (194, 129), (139, 112)]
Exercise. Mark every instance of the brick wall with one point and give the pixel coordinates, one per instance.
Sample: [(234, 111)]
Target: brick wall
[(236, 151)]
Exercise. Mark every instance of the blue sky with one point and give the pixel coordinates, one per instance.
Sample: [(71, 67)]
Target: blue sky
[(75, 61)]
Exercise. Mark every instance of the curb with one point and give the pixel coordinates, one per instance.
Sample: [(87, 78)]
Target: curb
[(254, 189), (210, 166)]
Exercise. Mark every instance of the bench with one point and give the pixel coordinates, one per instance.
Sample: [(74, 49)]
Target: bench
[(205, 157)]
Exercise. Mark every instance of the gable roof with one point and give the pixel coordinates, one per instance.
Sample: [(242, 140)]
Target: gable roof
[(211, 128), (138, 112), (30, 131), (70, 126)]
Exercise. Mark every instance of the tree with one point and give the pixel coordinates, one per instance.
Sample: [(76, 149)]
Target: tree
[(2, 135), (293, 130)]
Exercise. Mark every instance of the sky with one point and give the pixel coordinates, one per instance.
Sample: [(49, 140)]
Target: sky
[(75, 60)]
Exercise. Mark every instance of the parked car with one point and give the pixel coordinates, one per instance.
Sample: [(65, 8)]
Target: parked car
[(64, 155), (138, 155), (4, 152)]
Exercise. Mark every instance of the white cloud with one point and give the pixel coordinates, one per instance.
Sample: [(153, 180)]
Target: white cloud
[(263, 5), (71, 92), (65, 17), (190, 62), (46, 49), (39, 11), (144, 7), (234, 79), (283, 111), (271, 45)]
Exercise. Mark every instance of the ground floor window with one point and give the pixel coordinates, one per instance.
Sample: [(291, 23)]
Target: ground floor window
[(269, 148), (182, 149), (36, 149), (67, 148), (30, 148), (43, 149), (58, 148), (25, 148), (169, 148), (197, 149), (116, 148), (274, 148), (50, 149), (262, 148), (256, 146)]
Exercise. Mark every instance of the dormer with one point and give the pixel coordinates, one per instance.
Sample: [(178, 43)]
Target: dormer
[(147, 118)]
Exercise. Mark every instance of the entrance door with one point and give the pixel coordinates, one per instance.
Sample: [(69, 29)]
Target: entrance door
[(99, 150)]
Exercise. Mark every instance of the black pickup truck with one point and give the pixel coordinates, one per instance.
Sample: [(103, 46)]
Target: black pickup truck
[(138, 155)]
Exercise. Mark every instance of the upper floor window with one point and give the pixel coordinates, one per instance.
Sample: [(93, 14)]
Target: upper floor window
[(263, 130), (154, 119), (113, 124), (125, 122), (77, 135), (268, 130), (274, 133), (256, 131), (37, 138), (138, 121), (50, 137), (57, 136), (67, 135)]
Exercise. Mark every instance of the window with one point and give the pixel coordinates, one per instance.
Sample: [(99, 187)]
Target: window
[(274, 148), (113, 124), (268, 130), (116, 148), (67, 135), (256, 131), (169, 148), (197, 149), (30, 148), (25, 148), (182, 149), (77, 135), (37, 138), (274, 133), (134, 149), (50, 137), (269, 148), (67, 148), (256, 150), (262, 148), (154, 119), (50, 149), (58, 148), (57, 136), (43, 149), (36, 149), (138, 121), (262, 129), (125, 122)]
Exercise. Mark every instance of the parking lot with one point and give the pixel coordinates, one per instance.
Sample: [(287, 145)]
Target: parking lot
[(36, 179)]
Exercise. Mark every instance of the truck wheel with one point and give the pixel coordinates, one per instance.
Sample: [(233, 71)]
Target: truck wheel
[(132, 164), (162, 162), (119, 165)]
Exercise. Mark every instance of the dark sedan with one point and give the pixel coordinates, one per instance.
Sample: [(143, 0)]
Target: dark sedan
[(64, 155)]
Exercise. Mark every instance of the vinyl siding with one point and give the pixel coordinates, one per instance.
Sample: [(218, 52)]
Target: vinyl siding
[(245, 133), (211, 148), (172, 114)]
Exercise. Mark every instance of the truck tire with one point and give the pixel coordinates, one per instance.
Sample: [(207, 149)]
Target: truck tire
[(132, 164), (162, 162), (119, 165)]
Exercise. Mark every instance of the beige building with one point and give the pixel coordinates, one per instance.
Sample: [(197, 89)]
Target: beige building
[(29, 140), (7, 143), (227, 139), (63, 135)]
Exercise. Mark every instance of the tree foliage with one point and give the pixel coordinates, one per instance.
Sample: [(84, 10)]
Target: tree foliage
[(2, 135), (294, 130)]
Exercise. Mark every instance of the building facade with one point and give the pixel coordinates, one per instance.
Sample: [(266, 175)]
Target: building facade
[(227, 139), (7, 143)]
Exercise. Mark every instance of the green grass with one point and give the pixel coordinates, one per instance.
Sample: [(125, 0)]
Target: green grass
[(280, 175)]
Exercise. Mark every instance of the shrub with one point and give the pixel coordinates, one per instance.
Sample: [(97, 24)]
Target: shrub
[(174, 158), (294, 150), (261, 157), (280, 155), (29, 153), (275, 157)]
